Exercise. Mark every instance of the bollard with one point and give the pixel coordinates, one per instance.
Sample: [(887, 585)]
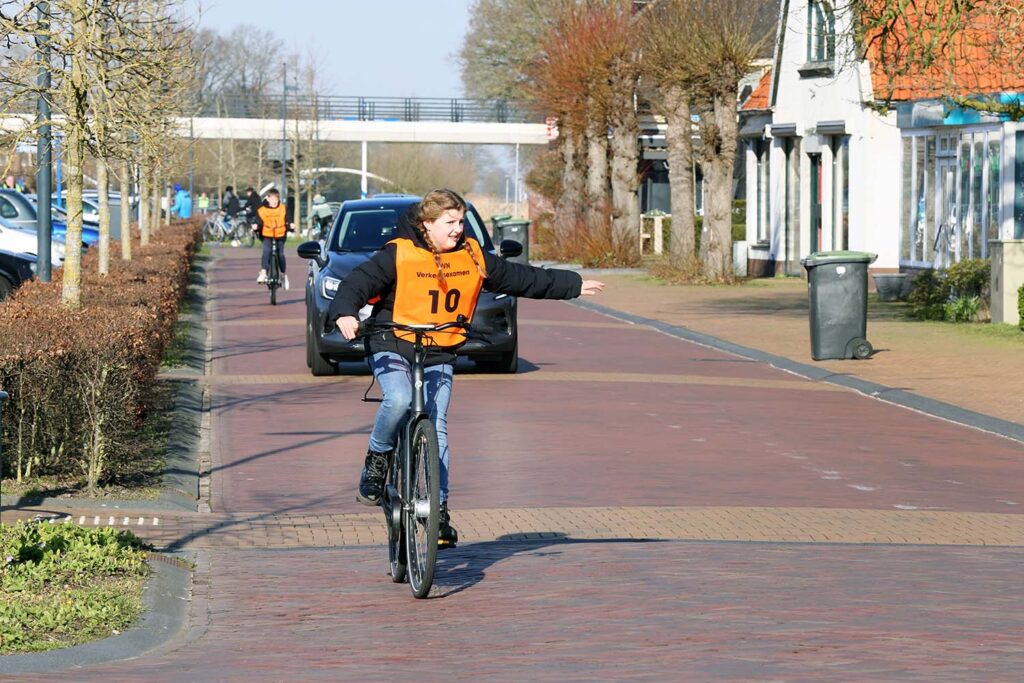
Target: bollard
[(3, 399)]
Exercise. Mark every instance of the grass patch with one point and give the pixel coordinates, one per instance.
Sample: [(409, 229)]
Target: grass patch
[(64, 585), (141, 478)]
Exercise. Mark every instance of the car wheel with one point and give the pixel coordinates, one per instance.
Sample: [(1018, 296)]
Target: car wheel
[(320, 366), (506, 364), (6, 288)]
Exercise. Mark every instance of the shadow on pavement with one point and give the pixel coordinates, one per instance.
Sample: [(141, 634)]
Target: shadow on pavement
[(465, 566)]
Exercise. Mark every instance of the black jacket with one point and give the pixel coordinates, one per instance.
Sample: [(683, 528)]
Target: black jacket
[(377, 277), (252, 202), (229, 204)]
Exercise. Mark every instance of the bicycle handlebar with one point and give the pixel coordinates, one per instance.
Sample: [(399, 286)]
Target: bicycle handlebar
[(366, 328)]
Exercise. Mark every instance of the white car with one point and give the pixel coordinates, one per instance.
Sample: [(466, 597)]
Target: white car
[(27, 242)]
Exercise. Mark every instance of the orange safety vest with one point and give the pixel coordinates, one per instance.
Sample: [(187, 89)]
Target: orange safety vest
[(274, 224), (421, 299)]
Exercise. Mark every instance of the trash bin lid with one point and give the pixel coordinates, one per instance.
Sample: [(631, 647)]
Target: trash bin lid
[(820, 258), (500, 217), (514, 222)]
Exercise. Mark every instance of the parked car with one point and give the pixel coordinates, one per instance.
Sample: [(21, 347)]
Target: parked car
[(361, 228), (27, 242), (20, 211), (14, 270)]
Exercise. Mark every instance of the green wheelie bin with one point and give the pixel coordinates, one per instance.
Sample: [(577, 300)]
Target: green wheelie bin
[(837, 286)]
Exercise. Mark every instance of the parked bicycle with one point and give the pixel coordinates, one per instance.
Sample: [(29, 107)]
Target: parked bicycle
[(219, 228), (412, 492)]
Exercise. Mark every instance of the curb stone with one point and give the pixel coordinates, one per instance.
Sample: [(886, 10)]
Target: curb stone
[(900, 397), (165, 600)]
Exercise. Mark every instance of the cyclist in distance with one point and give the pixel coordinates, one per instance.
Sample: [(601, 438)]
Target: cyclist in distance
[(271, 225), (431, 273), (252, 204), (229, 203)]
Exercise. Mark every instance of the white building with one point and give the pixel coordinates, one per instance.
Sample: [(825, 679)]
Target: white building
[(921, 185)]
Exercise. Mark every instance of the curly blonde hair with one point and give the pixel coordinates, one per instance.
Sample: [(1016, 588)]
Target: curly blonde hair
[(433, 205)]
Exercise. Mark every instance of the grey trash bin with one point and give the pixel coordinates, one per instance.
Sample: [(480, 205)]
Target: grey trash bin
[(517, 229), (496, 222), (837, 284)]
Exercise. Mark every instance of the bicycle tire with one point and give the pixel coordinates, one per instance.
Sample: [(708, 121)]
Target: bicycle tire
[(423, 507), (209, 231), (273, 277), (250, 236), (397, 557)]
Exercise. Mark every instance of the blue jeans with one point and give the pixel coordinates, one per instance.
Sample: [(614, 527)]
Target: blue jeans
[(394, 374), (267, 242)]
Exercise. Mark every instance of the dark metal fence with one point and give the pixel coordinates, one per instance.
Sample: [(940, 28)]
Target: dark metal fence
[(336, 108)]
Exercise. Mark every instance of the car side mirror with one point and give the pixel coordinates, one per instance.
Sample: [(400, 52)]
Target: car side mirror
[(311, 250), (510, 249)]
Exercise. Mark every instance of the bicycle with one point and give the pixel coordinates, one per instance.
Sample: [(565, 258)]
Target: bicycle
[(219, 228), (273, 272), (412, 490)]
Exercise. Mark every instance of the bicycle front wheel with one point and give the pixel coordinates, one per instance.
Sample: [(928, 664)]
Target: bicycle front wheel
[(422, 508), (210, 231)]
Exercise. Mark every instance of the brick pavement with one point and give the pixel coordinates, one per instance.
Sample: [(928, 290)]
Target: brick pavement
[(633, 507)]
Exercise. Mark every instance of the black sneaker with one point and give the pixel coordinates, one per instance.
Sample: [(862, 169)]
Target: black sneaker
[(371, 481), (447, 536)]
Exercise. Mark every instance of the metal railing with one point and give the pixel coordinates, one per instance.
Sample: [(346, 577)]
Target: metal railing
[(338, 108)]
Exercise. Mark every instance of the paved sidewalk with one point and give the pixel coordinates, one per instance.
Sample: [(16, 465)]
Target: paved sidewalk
[(942, 361)]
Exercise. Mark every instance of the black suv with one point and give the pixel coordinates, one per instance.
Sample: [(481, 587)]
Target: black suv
[(362, 227)]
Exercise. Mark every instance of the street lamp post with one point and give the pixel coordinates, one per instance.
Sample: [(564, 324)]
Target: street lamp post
[(284, 132)]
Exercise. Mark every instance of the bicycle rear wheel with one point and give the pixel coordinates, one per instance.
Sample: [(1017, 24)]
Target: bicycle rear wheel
[(273, 277), (422, 510), (397, 557), (210, 231)]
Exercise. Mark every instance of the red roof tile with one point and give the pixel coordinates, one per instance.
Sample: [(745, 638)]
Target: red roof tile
[(759, 98)]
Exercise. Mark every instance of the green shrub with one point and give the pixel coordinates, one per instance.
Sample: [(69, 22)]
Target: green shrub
[(1020, 306), (63, 584), (962, 310), (970, 278), (929, 296)]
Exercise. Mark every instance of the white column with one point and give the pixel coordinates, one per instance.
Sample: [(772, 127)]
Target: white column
[(828, 202), (753, 198)]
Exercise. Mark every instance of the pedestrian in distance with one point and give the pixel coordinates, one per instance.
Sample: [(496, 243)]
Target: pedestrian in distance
[(430, 274), (252, 203), (182, 207), (229, 203), (272, 226), (203, 203)]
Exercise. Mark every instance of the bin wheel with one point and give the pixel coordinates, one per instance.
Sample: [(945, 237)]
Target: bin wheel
[(862, 349)]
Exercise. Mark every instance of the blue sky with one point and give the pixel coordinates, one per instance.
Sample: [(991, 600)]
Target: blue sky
[(382, 48)]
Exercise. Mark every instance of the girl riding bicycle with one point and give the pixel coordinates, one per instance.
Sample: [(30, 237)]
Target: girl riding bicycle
[(431, 273)]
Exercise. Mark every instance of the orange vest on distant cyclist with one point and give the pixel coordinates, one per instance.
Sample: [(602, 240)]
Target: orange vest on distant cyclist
[(274, 224), (421, 299)]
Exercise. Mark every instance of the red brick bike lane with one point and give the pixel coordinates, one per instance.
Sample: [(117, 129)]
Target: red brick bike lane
[(602, 413), (565, 610)]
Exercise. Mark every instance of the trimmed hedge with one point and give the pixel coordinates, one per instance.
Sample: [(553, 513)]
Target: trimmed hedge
[(79, 380)]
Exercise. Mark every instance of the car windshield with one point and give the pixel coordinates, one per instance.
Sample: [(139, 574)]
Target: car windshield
[(371, 229)]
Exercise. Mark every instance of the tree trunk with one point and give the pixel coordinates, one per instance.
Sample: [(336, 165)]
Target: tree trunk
[(625, 155), (682, 244), (596, 207), (567, 211), (71, 294), (144, 205), (126, 211), (154, 200), (718, 140), (102, 189)]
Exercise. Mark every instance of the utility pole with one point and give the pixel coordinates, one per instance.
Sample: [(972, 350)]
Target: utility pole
[(284, 131), (43, 149)]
